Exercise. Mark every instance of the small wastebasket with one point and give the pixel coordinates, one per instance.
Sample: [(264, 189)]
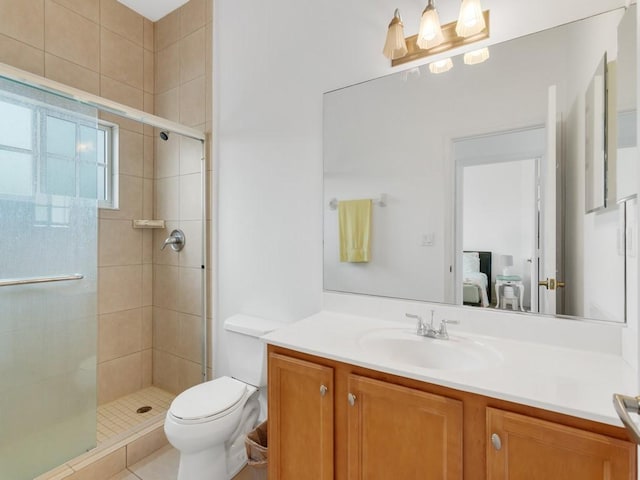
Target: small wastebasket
[(257, 451)]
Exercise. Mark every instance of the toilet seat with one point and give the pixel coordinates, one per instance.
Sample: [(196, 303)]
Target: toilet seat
[(208, 401)]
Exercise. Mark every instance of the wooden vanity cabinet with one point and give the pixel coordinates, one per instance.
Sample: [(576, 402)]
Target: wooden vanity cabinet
[(369, 425), (300, 428), (523, 447)]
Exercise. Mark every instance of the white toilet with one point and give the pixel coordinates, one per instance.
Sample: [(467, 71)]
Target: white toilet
[(208, 422)]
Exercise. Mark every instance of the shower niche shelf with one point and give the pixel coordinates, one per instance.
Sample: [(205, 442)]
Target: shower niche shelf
[(148, 224)]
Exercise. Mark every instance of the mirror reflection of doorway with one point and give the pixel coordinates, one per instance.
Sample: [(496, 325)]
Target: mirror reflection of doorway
[(498, 215)]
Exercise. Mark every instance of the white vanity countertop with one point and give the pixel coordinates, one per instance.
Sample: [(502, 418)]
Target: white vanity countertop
[(568, 381)]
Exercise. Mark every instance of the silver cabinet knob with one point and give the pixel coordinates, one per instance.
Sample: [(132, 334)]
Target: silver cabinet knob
[(352, 399), (496, 442), (323, 390)]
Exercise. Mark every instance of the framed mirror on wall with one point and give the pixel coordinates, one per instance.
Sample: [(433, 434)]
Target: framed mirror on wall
[(487, 165)]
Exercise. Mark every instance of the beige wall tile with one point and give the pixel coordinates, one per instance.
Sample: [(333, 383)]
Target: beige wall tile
[(119, 243), (190, 338), (165, 371), (147, 327), (130, 205), (189, 290), (191, 101), (148, 31), (147, 245), (121, 59), (131, 153), (167, 104), (147, 285), (190, 197), (189, 374), (166, 330), (191, 254), (147, 368), (167, 30), (146, 445), (167, 198), (119, 334), (122, 20), (87, 8), (119, 288), (167, 158), (71, 74), (149, 72), (103, 469), (190, 155), (165, 287), (167, 68), (24, 21), (71, 36), (149, 149), (192, 52), (209, 10), (147, 199), (123, 93), (21, 55), (119, 377), (192, 17)]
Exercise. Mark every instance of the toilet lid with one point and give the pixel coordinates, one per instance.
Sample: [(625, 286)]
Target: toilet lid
[(208, 399)]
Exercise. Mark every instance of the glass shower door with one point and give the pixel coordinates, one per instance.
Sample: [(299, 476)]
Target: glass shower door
[(48, 280)]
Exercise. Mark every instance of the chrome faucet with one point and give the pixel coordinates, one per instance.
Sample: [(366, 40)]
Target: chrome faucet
[(429, 330)]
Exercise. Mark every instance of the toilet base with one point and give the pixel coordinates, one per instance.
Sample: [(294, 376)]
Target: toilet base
[(204, 465)]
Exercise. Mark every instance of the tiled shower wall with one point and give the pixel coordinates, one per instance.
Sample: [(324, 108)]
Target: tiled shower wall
[(102, 47), (183, 83)]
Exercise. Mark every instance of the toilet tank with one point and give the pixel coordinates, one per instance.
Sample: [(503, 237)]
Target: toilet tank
[(247, 354)]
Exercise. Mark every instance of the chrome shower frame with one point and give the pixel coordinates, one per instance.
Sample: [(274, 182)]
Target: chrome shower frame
[(102, 104)]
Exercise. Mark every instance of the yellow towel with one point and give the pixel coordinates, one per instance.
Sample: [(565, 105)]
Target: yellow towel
[(354, 218)]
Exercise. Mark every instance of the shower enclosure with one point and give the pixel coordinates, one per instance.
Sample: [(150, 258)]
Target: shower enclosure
[(82, 273)]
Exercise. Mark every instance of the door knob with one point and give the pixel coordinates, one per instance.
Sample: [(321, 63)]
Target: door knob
[(323, 390), (352, 399), (551, 284)]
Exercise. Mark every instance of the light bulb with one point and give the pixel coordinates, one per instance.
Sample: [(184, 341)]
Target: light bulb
[(430, 31), (395, 45), (471, 19), (476, 56), (441, 66)]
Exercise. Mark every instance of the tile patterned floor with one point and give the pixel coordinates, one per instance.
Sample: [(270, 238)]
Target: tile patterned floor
[(163, 465), (120, 416)]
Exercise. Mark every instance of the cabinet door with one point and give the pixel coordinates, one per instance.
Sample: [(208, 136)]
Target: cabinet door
[(522, 448), (300, 419), (399, 432)]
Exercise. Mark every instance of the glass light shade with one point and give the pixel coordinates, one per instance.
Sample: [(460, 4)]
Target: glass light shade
[(395, 46), (441, 66), (430, 32), (477, 56), (471, 19)]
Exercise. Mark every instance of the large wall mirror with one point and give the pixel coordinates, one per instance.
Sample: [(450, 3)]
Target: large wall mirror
[(509, 184)]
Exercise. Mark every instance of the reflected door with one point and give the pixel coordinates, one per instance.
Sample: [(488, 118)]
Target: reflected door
[(48, 277)]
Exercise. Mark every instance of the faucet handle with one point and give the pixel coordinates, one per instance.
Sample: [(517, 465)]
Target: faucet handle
[(420, 327), (443, 327)]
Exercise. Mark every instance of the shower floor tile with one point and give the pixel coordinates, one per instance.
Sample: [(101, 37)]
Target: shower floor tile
[(117, 417)]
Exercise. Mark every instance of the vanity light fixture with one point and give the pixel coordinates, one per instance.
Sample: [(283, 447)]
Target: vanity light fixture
[(430, 31), (396, 45), (471, 19), (434, 38), (441, 66), (476, 56)]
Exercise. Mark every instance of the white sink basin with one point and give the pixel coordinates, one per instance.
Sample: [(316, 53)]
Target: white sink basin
[(404, 346)]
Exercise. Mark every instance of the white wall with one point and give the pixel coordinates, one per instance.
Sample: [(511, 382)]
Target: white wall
[(499, 215), (272, 62)]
